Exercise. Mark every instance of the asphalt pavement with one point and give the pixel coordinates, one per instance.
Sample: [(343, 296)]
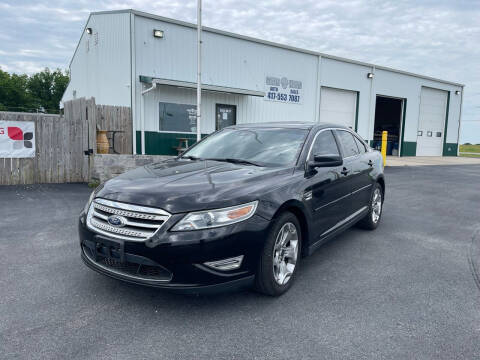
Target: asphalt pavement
[(409, 290)]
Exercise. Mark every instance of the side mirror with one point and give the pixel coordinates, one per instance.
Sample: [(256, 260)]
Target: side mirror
[(325, 161)]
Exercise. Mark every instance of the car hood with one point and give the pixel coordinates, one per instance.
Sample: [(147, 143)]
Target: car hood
[(181, 186)]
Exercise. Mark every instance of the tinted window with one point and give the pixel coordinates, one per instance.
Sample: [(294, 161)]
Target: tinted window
[(178, 117), (267, 146), (360, 145), (324, 144), (348, 143)]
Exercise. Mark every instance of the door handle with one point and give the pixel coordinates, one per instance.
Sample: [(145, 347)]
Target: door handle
[(345, 171), (370, 163)]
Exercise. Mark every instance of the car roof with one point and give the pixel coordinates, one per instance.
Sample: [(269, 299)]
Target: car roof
[(287, 125)]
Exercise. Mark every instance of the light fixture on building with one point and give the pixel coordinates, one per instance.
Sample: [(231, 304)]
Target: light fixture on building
[(457, 92), (88, 31), (370, 75), (158, 33)]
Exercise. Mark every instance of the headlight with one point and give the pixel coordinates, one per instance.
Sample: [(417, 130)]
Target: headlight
[(215, 218), (90, 199)]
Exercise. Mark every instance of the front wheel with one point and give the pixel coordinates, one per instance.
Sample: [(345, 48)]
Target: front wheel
[(280, 256), (372, 219)]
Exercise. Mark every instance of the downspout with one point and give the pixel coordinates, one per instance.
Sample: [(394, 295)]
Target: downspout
[(142, 113), (459, 121), (370, 120)]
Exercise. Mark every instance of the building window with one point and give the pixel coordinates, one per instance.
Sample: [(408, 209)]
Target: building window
[(177, 117)]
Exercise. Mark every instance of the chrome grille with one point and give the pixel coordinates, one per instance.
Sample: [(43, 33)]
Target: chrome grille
[(139, 223)]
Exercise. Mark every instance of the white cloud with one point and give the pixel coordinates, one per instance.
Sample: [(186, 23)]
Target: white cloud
[(438, 38)]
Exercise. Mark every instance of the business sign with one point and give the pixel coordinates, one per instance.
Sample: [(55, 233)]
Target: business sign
[(17, 139), (284, 90)]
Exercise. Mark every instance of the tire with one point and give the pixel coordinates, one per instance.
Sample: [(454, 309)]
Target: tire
[(374, 215), (272, 277)]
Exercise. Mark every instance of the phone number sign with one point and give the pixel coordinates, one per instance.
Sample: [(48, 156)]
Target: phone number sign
[(282, 89)]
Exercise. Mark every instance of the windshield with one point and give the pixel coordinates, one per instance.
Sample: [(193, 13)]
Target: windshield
[(264, 146)]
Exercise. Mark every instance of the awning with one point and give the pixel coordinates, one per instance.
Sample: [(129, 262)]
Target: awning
[(205, 87)]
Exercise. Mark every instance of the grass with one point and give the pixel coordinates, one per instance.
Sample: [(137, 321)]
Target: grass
[(470, 148)]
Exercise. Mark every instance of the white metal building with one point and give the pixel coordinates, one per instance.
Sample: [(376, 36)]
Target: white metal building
[(123, 53)]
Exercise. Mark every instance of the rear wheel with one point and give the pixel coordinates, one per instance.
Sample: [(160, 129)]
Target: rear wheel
[(280, 256), (372, 219)]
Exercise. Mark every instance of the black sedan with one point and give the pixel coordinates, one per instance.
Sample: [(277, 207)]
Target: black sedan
[(241, 207)]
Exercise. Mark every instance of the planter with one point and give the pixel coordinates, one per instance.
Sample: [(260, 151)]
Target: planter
[(102, 142)]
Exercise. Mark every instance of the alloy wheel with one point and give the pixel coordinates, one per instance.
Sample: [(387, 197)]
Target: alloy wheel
[(285, 253), (376, 205)]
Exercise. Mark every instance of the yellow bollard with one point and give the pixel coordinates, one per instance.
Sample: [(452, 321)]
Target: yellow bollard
[(384, 147)]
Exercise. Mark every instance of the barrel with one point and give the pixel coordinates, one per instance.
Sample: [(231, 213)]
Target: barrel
[(102, 142)]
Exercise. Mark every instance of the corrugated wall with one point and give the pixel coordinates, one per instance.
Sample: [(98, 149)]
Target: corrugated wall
[(100, 67), (226, 62), (240, 63)]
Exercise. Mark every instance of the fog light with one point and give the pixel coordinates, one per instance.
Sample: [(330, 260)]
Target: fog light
[(226, 264)]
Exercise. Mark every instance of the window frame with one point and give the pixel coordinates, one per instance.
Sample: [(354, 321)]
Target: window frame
[(315, 139)]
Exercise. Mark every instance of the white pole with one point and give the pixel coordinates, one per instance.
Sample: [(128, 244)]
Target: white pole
[(199, 67)]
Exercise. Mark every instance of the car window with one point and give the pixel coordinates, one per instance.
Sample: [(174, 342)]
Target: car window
[(348, 143), (361, 146), (324, 144)]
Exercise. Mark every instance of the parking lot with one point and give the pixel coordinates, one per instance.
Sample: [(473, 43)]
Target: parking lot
[(407, 290)]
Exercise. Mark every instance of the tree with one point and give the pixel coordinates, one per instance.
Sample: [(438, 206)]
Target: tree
[(30, 94), (48, 87), (14, 94)]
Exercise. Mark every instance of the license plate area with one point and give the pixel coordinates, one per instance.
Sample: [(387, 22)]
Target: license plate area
[(106, 248)]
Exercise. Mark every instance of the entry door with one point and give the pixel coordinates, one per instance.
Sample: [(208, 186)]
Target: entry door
[(431, 123), (338, 107), (226, 116)]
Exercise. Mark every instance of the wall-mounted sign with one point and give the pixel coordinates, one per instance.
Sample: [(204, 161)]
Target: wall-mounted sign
[(17, 139), (284, 90)]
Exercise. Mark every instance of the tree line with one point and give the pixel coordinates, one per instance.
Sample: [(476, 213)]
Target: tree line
[(39, 92)]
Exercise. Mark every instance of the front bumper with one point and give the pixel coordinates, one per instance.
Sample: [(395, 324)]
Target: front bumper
[(175, 260)]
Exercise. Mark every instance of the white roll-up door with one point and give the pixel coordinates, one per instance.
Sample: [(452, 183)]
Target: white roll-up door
[(338, 107), (431, 122)]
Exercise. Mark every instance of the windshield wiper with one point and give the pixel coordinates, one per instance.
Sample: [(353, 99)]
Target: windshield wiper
[(236, 161), (190, 157)]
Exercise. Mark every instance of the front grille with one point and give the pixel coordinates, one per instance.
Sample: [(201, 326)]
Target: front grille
[(137, 223)]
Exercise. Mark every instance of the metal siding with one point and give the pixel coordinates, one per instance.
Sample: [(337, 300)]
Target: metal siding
[(101, 69), (236, 62), (227, 62)]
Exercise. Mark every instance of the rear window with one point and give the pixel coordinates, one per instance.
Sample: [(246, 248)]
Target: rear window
[(361, 146), (348, 143)]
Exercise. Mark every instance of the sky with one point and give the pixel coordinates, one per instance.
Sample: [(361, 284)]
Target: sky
[(437, 38)]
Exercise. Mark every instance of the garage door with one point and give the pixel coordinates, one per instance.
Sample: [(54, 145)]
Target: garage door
[(431, 123), (338, 106)]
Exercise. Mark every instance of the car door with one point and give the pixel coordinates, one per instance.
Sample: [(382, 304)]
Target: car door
[(351, 172), (324, 192), (364, 167)]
